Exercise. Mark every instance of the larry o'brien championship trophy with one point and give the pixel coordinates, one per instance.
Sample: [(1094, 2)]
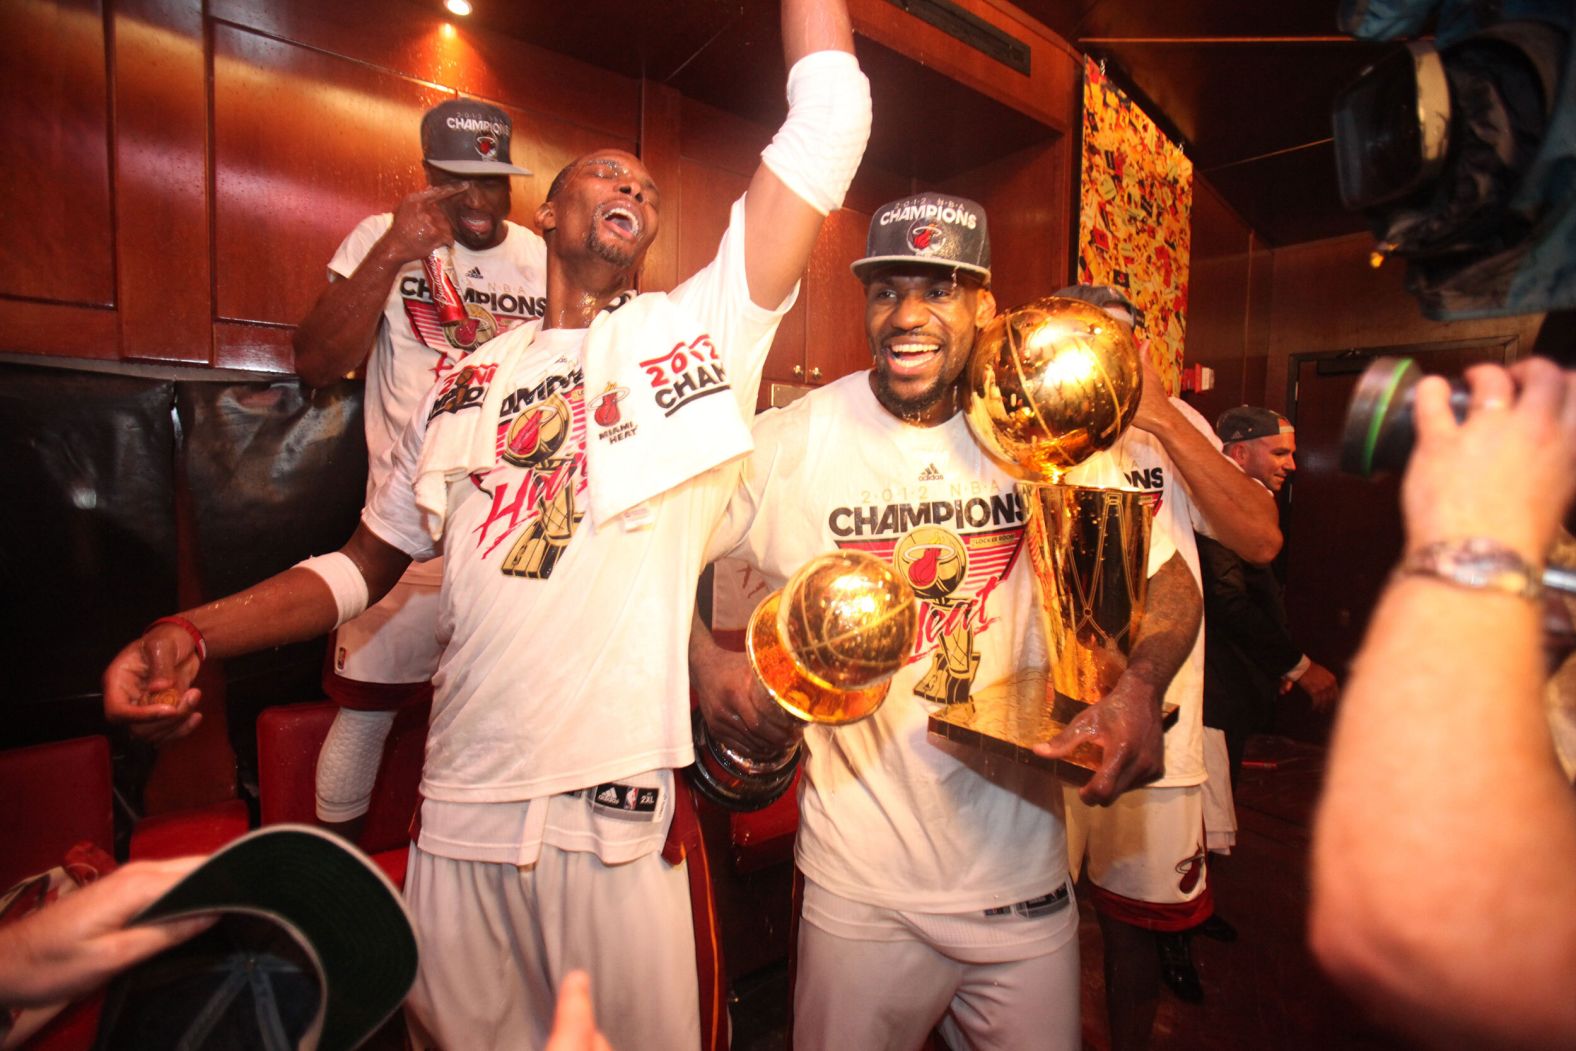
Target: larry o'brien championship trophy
[(825, 646), (1049, 385)]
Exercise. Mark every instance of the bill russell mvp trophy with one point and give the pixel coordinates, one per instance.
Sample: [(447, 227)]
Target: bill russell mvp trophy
[(825, 646), (1049, 385)]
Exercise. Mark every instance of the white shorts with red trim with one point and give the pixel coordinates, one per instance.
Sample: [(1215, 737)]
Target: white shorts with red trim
[(1146, 857), (386, 657)]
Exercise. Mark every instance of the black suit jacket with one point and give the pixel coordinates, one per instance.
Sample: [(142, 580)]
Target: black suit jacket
[(1247, 643)]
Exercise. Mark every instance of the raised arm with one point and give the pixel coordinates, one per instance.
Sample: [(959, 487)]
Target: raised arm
[(1444, 860), (1241, 512), (807, 168), (1126, 722), (337, 333), (148, 684)]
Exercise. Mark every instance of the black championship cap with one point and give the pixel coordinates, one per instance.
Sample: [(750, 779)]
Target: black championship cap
[(1247, 422), (467, 137), (313, 949), (931, 228)]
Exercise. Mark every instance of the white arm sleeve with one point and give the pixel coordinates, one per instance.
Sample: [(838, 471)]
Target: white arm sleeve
[(817, 150)]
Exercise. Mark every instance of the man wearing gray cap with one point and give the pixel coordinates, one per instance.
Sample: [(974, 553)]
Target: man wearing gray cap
[(935, 877), (1249, 655), (380, 307)]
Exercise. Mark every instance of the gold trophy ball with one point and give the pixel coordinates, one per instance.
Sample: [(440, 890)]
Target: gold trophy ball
[(847, 620), (1049, 385)]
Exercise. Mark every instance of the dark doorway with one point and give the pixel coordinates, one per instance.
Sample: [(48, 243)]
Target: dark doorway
[(1343, 533)]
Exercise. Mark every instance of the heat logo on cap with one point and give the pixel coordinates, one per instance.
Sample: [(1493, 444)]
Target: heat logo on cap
[(925, 237), (486, 145)]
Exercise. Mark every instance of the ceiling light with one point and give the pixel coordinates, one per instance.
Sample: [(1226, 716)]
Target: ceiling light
[(458, 7)]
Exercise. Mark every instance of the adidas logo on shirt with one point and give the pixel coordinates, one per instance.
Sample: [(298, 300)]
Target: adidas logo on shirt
[(474, 271), (608, 795), (930, 474)]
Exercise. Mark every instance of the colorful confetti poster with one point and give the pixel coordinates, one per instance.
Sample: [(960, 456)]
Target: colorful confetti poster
[(1134, 216)]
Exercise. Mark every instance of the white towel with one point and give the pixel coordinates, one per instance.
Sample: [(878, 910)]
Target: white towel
[(684, 415), (680, 419)]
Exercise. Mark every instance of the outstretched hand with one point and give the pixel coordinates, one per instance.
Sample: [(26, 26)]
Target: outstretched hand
[(1125, 726), (80, 941), (147, 686)]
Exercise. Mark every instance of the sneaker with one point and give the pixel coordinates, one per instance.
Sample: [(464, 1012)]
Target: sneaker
[(1176, 966)]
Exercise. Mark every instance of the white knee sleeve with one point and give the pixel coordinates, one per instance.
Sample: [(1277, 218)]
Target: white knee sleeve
[(347, 767), (817, 150)]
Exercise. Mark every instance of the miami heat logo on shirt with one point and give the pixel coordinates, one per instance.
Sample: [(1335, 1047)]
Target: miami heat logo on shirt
[(953, 576), (537, 434), (540, 476), (936, 562)]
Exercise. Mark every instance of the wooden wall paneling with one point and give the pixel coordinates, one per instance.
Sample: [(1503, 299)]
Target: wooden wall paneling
[(417, 40), (719, 155), (834, 337), (1261, 306), (661, 131), (54, 106), (163, 245), (1043, 94), (59, 329), (1327, 297), (1219, 283), (1027, 199), (717, 139), (306, 144)]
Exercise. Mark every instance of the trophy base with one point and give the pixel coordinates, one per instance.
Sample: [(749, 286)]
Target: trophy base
[(1009, 718)]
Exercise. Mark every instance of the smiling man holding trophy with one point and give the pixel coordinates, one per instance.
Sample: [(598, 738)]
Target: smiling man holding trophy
[(936, 886)]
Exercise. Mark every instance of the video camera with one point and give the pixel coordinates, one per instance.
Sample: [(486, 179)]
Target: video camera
[(1461, 149)]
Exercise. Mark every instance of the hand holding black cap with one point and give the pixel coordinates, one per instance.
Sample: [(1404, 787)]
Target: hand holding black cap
[(313, 950)]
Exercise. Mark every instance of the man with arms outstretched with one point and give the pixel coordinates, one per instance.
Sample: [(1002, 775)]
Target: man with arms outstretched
[(560, 703)]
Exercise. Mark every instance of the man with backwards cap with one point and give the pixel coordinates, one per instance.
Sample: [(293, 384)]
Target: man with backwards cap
[(1251, 657), (936, 884), (572, 539), (378, 307), (1146, 855)]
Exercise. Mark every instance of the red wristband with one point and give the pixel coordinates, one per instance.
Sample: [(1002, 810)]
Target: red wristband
[(186, 626)]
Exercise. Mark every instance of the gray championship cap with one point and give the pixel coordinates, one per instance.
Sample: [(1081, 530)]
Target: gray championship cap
[(1246, 422), (935, 229), (467, 137)]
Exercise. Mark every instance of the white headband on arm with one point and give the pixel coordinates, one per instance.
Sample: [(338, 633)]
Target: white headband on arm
[(344, 581)]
